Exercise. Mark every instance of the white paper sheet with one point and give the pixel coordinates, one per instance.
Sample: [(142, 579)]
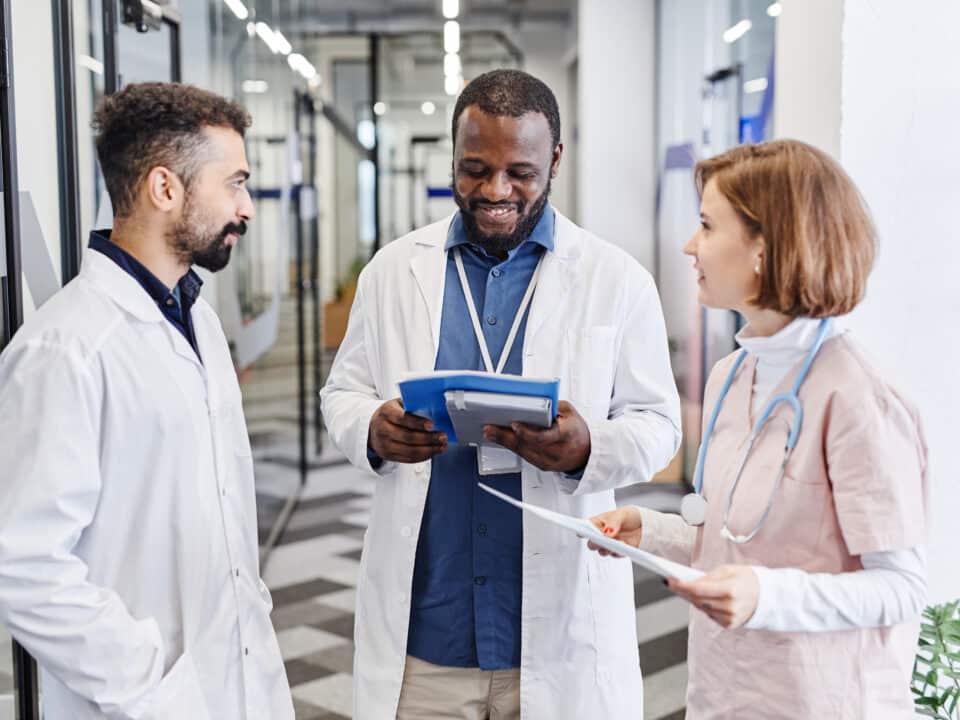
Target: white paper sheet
[(584, 528)]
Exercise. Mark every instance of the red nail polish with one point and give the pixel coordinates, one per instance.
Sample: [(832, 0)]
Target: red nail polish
[(608, 531)]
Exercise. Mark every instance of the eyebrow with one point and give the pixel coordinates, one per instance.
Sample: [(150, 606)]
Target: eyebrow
[(524, 165)]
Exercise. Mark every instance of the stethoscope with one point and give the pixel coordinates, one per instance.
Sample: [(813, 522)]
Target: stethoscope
[(693, 507)]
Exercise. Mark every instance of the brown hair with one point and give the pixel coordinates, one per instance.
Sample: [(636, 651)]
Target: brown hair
[(819, 240), (146, 125)]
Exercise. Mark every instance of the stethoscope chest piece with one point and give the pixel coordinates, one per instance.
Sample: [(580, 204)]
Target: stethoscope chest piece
[(693, 509)]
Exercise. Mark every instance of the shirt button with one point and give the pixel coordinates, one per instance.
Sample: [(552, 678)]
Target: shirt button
[(482, 530), (406, 531), (479, 580), (169, 302), (491, 320), (496, 272)]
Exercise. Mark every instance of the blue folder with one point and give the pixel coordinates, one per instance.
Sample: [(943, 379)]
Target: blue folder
[(424, 395)]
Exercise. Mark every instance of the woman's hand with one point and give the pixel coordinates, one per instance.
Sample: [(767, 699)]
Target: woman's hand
[(624, 524), (728, 594)]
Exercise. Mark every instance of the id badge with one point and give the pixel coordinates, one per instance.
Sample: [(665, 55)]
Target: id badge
[(496, 460)]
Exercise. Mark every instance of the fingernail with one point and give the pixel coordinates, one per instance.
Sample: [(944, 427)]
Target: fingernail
[(608, 531)]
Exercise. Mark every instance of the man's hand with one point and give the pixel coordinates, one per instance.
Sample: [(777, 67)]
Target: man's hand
[(728, 594), (624, 524), (563, 447), (398, 436)]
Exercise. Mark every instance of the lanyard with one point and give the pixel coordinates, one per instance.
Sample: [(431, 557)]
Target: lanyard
[(478, 330)]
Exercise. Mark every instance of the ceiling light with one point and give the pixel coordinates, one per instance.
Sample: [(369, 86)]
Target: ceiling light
[(755, 86), (428, 108), (268, 37), (452, 65), (255, 87), (251, 29), (774, 9), (91, 64), (732, 34), (451, 36), (452, 84), (239, 9), (451, 8), (282, 42), (379, 108)]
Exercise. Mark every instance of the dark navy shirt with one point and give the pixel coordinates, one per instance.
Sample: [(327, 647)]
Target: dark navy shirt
[(175, 304), (467, 581)]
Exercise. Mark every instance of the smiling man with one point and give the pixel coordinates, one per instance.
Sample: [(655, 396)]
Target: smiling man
[(128, 530), (464, 609)]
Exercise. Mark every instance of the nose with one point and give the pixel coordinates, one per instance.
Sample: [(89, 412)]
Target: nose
[(691, 247), (497, 188), (246, 211)]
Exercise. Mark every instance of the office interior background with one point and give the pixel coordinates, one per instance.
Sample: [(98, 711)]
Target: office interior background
[(350, 148)]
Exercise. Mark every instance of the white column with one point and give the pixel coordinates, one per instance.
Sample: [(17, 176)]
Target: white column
[(901, 100), (807, 67), (616, 178)]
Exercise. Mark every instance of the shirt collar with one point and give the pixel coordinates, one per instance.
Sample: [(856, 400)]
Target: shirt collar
[(189, 285), (542, 233)]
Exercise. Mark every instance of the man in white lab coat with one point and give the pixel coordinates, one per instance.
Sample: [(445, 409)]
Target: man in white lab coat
[(128, 543), (464, 608)]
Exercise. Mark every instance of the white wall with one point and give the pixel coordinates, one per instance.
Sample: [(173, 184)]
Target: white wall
[(808, 50), (548, 60), (901, 101), (616, 164)]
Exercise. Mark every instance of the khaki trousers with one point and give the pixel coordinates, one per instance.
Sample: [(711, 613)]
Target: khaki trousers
[(433, 692)]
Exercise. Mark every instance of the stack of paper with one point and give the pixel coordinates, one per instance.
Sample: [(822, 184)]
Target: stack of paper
[(585, 529)]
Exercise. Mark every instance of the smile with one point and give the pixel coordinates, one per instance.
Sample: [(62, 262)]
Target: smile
[(497, 213)]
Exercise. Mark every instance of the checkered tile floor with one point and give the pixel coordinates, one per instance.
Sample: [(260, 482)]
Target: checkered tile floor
[(312, 575)]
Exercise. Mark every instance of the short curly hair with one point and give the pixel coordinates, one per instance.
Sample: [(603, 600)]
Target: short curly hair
[(509, 93), (146, 125)]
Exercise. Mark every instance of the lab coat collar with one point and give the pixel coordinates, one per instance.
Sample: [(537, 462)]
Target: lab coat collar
[(558, 275), (117, 284)]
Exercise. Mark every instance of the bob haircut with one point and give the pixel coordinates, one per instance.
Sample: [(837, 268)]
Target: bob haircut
[(819, 240)]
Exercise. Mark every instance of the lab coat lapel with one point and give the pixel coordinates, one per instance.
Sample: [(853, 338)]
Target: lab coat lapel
[(558, 279), (428, 266)]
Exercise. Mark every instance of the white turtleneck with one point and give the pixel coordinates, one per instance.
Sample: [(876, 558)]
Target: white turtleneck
[(891, 588)]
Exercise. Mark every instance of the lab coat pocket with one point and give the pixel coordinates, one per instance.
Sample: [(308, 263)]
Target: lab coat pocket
[(179, 694), (614, 617), (591, 370)]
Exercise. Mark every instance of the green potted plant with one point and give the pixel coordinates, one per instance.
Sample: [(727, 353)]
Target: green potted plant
[(936, 670)]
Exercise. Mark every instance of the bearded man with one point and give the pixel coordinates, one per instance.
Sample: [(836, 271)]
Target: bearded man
[(466, 609), (128, 530)]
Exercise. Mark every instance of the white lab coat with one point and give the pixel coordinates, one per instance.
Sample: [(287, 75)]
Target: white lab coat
[(595, 323), (128, 543)]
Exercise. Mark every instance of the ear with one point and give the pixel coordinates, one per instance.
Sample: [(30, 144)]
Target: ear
[(163, 189), (759, 254), (555, 161)]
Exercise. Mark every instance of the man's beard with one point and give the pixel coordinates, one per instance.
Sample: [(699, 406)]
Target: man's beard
[(195, 245), (501, 244)]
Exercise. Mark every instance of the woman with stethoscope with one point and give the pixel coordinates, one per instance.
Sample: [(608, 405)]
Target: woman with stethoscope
[(809, 511)]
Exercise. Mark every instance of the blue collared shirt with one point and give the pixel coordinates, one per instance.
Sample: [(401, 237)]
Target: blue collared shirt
[(175, 304), (468, 575)]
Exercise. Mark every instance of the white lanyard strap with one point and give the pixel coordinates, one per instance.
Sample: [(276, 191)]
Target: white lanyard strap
[(478, 330)]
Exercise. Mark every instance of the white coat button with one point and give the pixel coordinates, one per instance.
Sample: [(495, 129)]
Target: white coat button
[(237, 571), (402, 598), (406, 531), (419, 469)]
